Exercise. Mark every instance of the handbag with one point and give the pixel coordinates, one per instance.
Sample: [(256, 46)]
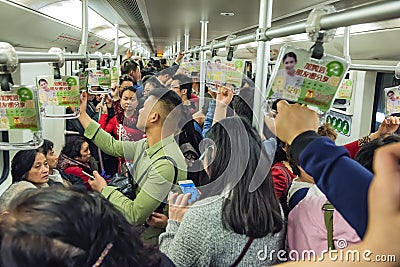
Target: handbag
[(126, 184)]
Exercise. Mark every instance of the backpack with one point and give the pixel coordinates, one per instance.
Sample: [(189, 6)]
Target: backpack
[(188, 140)]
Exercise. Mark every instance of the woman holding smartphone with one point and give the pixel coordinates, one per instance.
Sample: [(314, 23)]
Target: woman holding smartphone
[(237, 210)]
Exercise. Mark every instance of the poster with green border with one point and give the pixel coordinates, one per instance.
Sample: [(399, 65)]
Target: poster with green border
[(298, 77), (220, 70), (63, 92), (114, 74), (101, 78), (19, 109)]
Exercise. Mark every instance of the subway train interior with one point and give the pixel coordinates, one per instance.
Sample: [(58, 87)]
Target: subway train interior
[(349, 46)]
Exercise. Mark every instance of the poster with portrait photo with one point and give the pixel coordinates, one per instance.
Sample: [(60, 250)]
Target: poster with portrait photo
[(219, 70), (392, 100), (298, 77)]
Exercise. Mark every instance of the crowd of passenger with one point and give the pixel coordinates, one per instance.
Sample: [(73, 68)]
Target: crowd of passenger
[(289, 189)]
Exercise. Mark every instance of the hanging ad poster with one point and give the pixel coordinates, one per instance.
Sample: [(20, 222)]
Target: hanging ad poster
[(19, 109), (392, 97), (63, 92), (298, 77), (219, 70)]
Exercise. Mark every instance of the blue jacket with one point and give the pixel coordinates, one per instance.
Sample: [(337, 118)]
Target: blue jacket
[(344, 181)]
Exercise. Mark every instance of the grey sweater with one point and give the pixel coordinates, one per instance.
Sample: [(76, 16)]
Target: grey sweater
[(201, 240)]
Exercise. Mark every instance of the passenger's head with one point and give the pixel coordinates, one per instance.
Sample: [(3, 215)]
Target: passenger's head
[(12, 192), (365, 155), (238, 166), (328, 131), (131, 68), (149, 83), (126, 80), (76, 147), (31, 166), (166, 74), (289, 61), (48, 150), (160, 110), (42, 229), (129, 98), (182, 85)]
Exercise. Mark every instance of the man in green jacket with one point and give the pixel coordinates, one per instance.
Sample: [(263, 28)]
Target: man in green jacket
[(159, 120)]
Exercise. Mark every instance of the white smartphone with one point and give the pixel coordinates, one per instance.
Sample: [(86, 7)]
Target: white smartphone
[(87, 174), (187, 186)]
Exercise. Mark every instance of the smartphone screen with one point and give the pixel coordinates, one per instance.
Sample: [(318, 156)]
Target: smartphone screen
[(189, 187)]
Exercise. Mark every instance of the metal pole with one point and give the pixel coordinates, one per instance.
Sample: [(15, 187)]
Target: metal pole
[(115, 55), (186, 42), (85, 28), (203, 62), (263, 57), (178, 46), (346, 43)]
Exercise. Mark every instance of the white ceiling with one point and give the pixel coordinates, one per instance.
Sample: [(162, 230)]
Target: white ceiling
[(158, 24)]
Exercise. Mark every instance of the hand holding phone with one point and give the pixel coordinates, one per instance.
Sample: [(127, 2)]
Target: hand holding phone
[(89, 175), (187, 186)]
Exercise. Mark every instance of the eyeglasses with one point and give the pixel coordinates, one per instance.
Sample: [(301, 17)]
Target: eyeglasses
[(205, 146)]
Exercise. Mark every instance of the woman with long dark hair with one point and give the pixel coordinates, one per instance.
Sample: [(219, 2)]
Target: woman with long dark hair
[(69, 228), (238, 207)]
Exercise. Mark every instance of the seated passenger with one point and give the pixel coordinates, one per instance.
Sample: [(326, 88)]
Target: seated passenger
[(31, 166), (55, 174), (238, 207), (75, 158), (43, 229)]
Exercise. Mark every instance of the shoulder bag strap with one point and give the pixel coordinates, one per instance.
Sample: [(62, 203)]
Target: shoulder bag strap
[(328, 218), (245, 249)]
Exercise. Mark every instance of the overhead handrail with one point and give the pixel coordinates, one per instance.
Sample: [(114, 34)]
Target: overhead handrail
[(384, 10)]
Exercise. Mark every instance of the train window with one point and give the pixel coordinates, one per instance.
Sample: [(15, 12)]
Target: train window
[(383, 80)]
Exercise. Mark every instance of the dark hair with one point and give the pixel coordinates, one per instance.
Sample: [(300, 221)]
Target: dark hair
[(42, 80), (290, 54), (21, 164), (43, 230), (127, 66), (184, 83), (243, 103), (389, 92), (73, 144), (170, 71), (46, 147), (280, 153), (125, 78), (168, 98), (365, 155), (293, 161), (247, 210)]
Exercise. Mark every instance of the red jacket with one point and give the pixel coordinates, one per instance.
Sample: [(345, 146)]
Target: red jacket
[(282, 178), (112, 126)]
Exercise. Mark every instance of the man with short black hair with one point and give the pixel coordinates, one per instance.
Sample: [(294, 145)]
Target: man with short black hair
[(159, 119)]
